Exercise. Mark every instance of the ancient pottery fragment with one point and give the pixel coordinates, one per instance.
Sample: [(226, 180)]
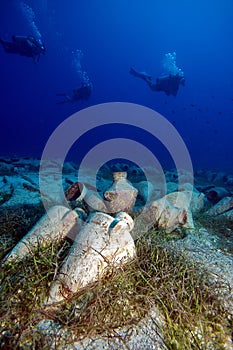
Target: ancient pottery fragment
[(103, 242), (121, 195), (59, 222)]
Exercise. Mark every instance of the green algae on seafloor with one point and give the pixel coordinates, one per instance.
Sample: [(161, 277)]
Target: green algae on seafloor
[(193, 316)]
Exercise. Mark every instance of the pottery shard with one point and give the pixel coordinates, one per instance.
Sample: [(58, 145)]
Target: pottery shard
[(55, 225), (104, 241), (94, 202), (165, 215), (197, 202), (215, 194), (188, 200), (6, 191), (169, 212), (121, 196), (221, 207), (74, 191), (145, 189), (228, 215), (168, 216)]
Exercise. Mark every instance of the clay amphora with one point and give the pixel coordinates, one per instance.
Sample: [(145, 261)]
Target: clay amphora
[(121, 195)]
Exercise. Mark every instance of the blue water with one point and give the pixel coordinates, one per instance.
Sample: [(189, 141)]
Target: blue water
[(113, 35)]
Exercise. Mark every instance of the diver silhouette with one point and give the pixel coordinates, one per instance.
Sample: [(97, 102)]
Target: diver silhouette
[(81, 93), (27, 46), (169, 83)]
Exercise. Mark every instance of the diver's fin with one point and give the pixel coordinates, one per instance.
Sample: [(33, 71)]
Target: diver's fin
[(133, 71), (142, 75)]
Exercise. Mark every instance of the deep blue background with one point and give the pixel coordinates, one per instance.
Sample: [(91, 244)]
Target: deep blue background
[(114, 35)]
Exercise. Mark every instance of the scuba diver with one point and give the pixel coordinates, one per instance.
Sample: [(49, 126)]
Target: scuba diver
[(169, 83), (81, 93), (27, 46)]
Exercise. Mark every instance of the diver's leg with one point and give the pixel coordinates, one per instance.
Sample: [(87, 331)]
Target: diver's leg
[(141, 75), (9, 47), (134, 72)]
